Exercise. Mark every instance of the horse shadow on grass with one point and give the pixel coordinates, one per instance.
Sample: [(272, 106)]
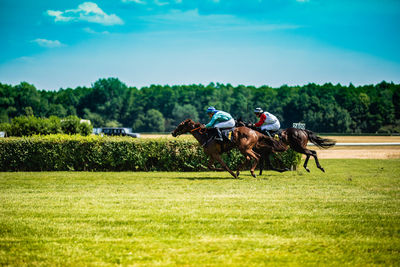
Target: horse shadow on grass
[(204, 178), (241, 177)]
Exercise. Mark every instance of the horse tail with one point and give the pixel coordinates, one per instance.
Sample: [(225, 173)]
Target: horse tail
[(319, 141), (276, 146)]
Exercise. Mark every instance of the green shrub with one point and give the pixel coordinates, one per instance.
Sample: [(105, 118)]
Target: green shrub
[(30, 125), (70, 125), (85, 129), (5, 127), (96, 153)]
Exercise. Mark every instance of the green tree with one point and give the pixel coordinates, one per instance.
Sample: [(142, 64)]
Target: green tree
[(152, 121), (187, 111)]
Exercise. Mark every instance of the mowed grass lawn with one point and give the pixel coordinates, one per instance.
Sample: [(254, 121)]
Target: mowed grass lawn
[(349, 215)]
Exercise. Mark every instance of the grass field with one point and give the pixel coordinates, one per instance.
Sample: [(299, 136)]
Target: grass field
[(349, 215)]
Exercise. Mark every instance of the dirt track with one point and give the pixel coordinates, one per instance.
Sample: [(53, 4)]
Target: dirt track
[(362, 152), (354, 152)]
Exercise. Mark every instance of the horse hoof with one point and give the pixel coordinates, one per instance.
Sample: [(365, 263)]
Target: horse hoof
[(255, 176), (322, 169), (307, 170)]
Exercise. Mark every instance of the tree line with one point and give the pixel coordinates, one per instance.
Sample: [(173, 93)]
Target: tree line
[(109, 102)]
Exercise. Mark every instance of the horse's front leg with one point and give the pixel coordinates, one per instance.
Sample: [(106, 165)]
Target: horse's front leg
[(211, 165), (218, 158), (241, 166)]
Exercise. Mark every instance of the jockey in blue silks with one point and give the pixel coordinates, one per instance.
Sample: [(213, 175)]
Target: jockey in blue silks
[(219, 120)]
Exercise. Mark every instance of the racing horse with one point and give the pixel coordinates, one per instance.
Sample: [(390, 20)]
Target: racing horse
[(297, 140), (244, 139)]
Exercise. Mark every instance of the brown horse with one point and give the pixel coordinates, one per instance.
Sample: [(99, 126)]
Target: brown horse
[(297, 140), (244, 139)]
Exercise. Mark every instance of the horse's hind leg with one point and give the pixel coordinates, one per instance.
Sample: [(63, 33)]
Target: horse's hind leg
[(304, 151), (247, 159), (263, 158), (253, 155), (316, 160), (305, 162), (261, 165)]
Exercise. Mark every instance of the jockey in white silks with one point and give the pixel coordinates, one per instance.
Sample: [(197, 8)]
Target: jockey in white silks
[(267, 122)]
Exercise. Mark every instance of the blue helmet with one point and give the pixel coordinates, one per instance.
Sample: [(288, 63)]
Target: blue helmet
[(211, 110)]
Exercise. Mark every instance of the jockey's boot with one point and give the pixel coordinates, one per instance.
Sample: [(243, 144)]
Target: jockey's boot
[(218, 136), (211, 135), (266, 132)]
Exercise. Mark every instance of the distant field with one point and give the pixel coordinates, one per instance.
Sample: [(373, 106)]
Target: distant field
[(375, 152), (349, 215)]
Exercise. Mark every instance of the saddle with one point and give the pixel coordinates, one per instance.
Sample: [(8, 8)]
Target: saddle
[(277, 135), (221, 135), (227, 134)]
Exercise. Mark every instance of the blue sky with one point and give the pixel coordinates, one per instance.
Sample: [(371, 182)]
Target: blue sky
[(61, 44)]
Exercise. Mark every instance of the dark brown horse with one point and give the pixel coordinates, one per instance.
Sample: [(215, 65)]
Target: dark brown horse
[(297, 140), (244, 139)]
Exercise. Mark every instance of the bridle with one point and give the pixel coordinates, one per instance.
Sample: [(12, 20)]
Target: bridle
[(198, 128)]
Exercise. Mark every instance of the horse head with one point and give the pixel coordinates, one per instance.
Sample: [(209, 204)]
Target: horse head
[(240, 123), (184, 127)]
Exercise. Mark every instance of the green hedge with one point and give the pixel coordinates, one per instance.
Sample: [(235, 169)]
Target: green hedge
[(30, 125), (96, 153)]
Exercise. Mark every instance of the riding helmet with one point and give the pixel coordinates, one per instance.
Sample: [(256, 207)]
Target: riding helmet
[(258, 110), (211, 110)]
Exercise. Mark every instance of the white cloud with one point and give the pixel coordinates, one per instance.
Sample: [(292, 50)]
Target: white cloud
[(58, 15), (87, 11), (135, 1), (47, 43), (158, 3), (90, 30)]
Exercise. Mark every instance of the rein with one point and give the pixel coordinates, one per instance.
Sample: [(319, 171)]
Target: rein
[(195, 129)]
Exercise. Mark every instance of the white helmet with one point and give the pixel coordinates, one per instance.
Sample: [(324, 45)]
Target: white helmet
[(258, 111)]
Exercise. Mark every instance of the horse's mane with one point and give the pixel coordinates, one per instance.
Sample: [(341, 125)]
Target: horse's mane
[(195, 124), (198, 124)]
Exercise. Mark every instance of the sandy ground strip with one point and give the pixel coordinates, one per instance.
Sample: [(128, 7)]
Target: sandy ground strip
[(360, 153)]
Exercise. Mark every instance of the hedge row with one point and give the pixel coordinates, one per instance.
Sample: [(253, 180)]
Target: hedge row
[(95, 153), (31, 125)]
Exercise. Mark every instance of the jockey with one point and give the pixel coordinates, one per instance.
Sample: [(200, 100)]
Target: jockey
[(267, 122), (219, 120)]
